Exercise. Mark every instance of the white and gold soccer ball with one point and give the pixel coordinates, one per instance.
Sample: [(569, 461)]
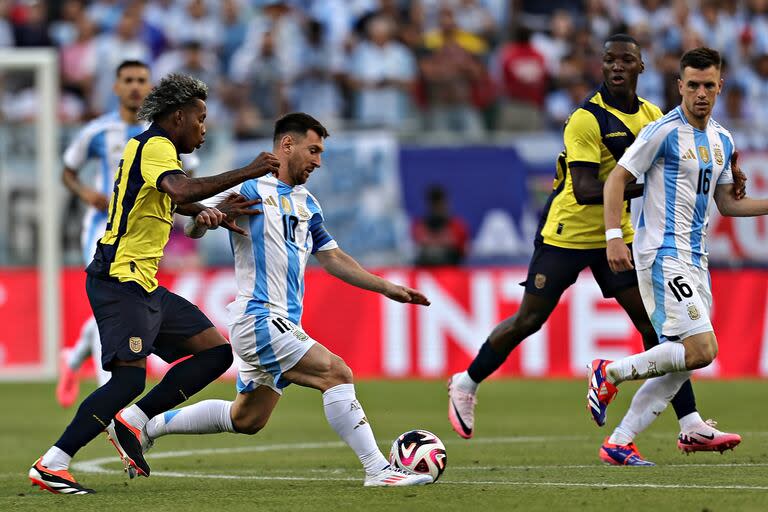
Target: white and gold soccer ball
[(420, 452)]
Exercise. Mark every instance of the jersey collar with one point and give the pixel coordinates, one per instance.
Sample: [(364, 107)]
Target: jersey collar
[(609, 100)]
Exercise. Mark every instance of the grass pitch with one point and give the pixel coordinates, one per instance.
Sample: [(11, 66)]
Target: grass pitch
[(535, 448)]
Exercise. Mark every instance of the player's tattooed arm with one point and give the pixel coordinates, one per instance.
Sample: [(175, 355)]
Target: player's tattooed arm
[(343, 266), (185, 190), (588, 189)]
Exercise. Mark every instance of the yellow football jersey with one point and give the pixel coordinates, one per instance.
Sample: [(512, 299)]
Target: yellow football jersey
[(140, 216), (595, 137)]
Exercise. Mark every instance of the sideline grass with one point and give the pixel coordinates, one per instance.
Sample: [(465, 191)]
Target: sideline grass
[(535, 449)]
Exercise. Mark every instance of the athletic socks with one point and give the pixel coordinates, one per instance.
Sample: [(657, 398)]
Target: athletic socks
[(185, 379), (485, 363), (690, 422), (464, 383), (649, 402), (98, 409), (206, 417), (56, 459), (684, 402), (347, 418), (662, 359)]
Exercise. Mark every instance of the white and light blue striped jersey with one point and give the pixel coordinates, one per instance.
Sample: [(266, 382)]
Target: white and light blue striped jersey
[(681, 166), (270, 262), (104, 139)]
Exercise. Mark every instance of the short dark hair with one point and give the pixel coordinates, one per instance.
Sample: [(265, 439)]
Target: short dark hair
[(298, 122), (622, 38), (174, 92), (700, 58), (130, 64)]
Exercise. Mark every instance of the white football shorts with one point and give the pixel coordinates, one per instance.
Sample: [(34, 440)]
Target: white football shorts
[(267, 347), (677, 297)]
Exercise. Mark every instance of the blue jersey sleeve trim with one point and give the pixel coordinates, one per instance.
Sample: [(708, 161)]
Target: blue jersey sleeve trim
[(164, 174)]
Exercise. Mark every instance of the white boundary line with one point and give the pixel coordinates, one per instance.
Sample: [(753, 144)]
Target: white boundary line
[(96, 466)]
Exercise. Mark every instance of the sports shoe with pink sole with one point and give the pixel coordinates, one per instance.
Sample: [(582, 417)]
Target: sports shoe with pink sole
[(706, 438), (461, 410)]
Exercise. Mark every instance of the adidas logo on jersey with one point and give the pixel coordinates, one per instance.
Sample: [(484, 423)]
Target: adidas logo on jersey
[(688, 155), (270, 201)]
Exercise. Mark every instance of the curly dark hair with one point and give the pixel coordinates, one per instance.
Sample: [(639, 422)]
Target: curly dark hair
[(174, 91)]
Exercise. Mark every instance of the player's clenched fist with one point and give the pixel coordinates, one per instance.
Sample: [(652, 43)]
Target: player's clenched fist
[(265, 163), (210, 218), (619, 257)]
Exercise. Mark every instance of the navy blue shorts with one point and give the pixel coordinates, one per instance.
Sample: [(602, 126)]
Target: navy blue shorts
[(134, 323), (553, 269)]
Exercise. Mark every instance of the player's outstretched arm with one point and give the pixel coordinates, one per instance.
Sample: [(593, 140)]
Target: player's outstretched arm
[(340, 264), (730, 206), (619, 257), (189, 190)]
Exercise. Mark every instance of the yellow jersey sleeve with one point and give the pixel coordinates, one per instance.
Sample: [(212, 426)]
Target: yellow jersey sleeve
[(159, 159), (582, 140)]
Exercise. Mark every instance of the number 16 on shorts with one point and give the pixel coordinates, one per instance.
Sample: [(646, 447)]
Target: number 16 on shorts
[(677, 297)]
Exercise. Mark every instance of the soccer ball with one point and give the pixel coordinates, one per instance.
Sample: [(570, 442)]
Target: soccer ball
[(419, 451)]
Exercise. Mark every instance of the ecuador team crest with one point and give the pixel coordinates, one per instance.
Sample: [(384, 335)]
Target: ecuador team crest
[(134, 343)]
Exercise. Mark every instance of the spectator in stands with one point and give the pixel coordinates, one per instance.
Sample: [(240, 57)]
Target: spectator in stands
[(316, 86), (524, 79), (106, 14), (440, 237), (451, 70), (195, 21), (33, 29), (474, 17), (79, 63), (381, 75), (193, 59), (63, 31), (557, 42), (562, 101), (233, 30), (112, 49), (6, 29)]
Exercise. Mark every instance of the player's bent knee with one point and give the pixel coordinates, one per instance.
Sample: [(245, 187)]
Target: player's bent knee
[(249, 426), (528, 324), (340, 373)]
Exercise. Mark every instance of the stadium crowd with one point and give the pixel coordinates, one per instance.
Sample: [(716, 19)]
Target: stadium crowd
[(465, 66)]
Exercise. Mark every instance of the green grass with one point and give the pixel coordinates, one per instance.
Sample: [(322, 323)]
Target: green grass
[(534, 449)]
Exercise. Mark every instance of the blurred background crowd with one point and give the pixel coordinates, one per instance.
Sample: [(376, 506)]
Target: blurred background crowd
[(463, 66)]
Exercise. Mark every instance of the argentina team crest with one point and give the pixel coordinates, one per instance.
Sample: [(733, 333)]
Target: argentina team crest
[(303, 213), (693, 312), (718, 152), (134, 343), (704, 154)]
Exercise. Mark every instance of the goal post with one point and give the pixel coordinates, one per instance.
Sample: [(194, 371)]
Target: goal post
[(43, 62)]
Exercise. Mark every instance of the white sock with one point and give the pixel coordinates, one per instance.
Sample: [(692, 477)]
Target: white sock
[(82, 349), (664, 358), (102, 376), (56, 459), (206, 417), (465, 383), (690, 421), (347, 418), (647, 405), (135, 416)]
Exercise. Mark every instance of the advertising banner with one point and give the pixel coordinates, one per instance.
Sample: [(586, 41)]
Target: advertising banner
[(380, 338)]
